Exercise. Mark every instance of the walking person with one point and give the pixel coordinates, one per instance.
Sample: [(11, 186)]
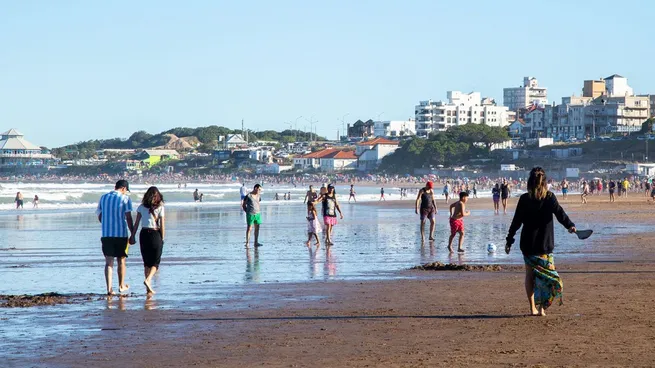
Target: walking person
[(330, 209), (446, 191), (611, 189), (313, 225), (565, 189), (535, 212), (114, 212), (35, 201), (504, 194), (243, 192), (585, 192), (352, 193), (457, 213), (382, 195), (253, 216), (495, 194), (150, 215), (426, 207)]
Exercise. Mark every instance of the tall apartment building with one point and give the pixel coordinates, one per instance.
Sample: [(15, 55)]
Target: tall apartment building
[(593, 88), (529, 93), (461, 108), (651, 99)]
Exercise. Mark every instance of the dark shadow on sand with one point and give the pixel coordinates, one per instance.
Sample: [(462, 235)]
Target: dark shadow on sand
[(323, 318)]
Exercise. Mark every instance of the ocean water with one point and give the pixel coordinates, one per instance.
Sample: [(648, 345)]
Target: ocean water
[(59, 250)]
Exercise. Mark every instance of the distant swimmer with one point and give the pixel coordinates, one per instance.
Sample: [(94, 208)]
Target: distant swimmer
[(352, 193), (426, 207), (19, 200), (196, 196), (277, 197), (382, 195), (288, 196), (35, 202), (457, 213)]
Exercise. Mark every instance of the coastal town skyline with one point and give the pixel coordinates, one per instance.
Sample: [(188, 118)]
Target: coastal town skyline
[(69, 68)]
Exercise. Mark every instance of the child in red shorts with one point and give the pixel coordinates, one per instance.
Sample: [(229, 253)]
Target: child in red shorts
[(457, 213)]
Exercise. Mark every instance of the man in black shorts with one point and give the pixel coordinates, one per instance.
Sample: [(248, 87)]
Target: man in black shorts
[(428, 209), (115, 214)]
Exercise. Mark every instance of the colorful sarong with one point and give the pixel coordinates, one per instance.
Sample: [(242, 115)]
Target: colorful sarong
[(547, 283)]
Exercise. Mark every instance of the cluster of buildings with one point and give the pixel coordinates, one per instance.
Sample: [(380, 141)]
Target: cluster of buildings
[(606, 106)]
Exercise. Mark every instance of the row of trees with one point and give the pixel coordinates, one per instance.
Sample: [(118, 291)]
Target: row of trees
[(454, 146)]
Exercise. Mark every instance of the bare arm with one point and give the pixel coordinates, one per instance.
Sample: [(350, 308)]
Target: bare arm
[(336, 205), (130, 224), (464, 211), (434, 203), (162, 227), (136, 223)]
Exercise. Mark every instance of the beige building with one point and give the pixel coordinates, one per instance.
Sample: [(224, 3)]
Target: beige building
[(593, 88)]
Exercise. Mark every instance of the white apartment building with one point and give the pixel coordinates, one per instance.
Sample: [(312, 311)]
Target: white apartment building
[(395, 128), (461, 108), (516, 98), (617, 86)]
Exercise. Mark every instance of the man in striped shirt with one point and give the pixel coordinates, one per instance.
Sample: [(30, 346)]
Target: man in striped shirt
[(113, 210)]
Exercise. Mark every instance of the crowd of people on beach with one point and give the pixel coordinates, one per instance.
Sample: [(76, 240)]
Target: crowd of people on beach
[(534, 212)]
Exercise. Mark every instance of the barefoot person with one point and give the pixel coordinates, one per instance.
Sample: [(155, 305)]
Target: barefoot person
[(585, 192), (446, 191), (565, 189), (35, 201), (150, 214), (611, 188), (330, 209), (495, 194), (313, 224), (382, 195), (457, 213), (115, 214), (535, 212), (352, 193), (427, 208), (253, 216), (504, 194)]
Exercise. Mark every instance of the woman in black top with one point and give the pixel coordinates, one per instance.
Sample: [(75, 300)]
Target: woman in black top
[(535, 212)]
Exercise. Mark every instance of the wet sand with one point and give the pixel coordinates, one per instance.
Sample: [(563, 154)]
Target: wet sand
[(432, 318)]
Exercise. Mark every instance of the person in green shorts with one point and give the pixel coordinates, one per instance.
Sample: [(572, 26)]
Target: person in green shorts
[(253, 215)]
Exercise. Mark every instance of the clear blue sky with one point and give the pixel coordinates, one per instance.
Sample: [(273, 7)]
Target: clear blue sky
[(77, 70)]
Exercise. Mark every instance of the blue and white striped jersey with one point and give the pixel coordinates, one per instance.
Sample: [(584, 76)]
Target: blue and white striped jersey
[(113, 206)]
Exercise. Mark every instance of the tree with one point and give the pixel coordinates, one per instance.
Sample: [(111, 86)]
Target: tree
[(647, 126)]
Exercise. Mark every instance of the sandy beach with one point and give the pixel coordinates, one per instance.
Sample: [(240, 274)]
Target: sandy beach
[(421, 318)]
